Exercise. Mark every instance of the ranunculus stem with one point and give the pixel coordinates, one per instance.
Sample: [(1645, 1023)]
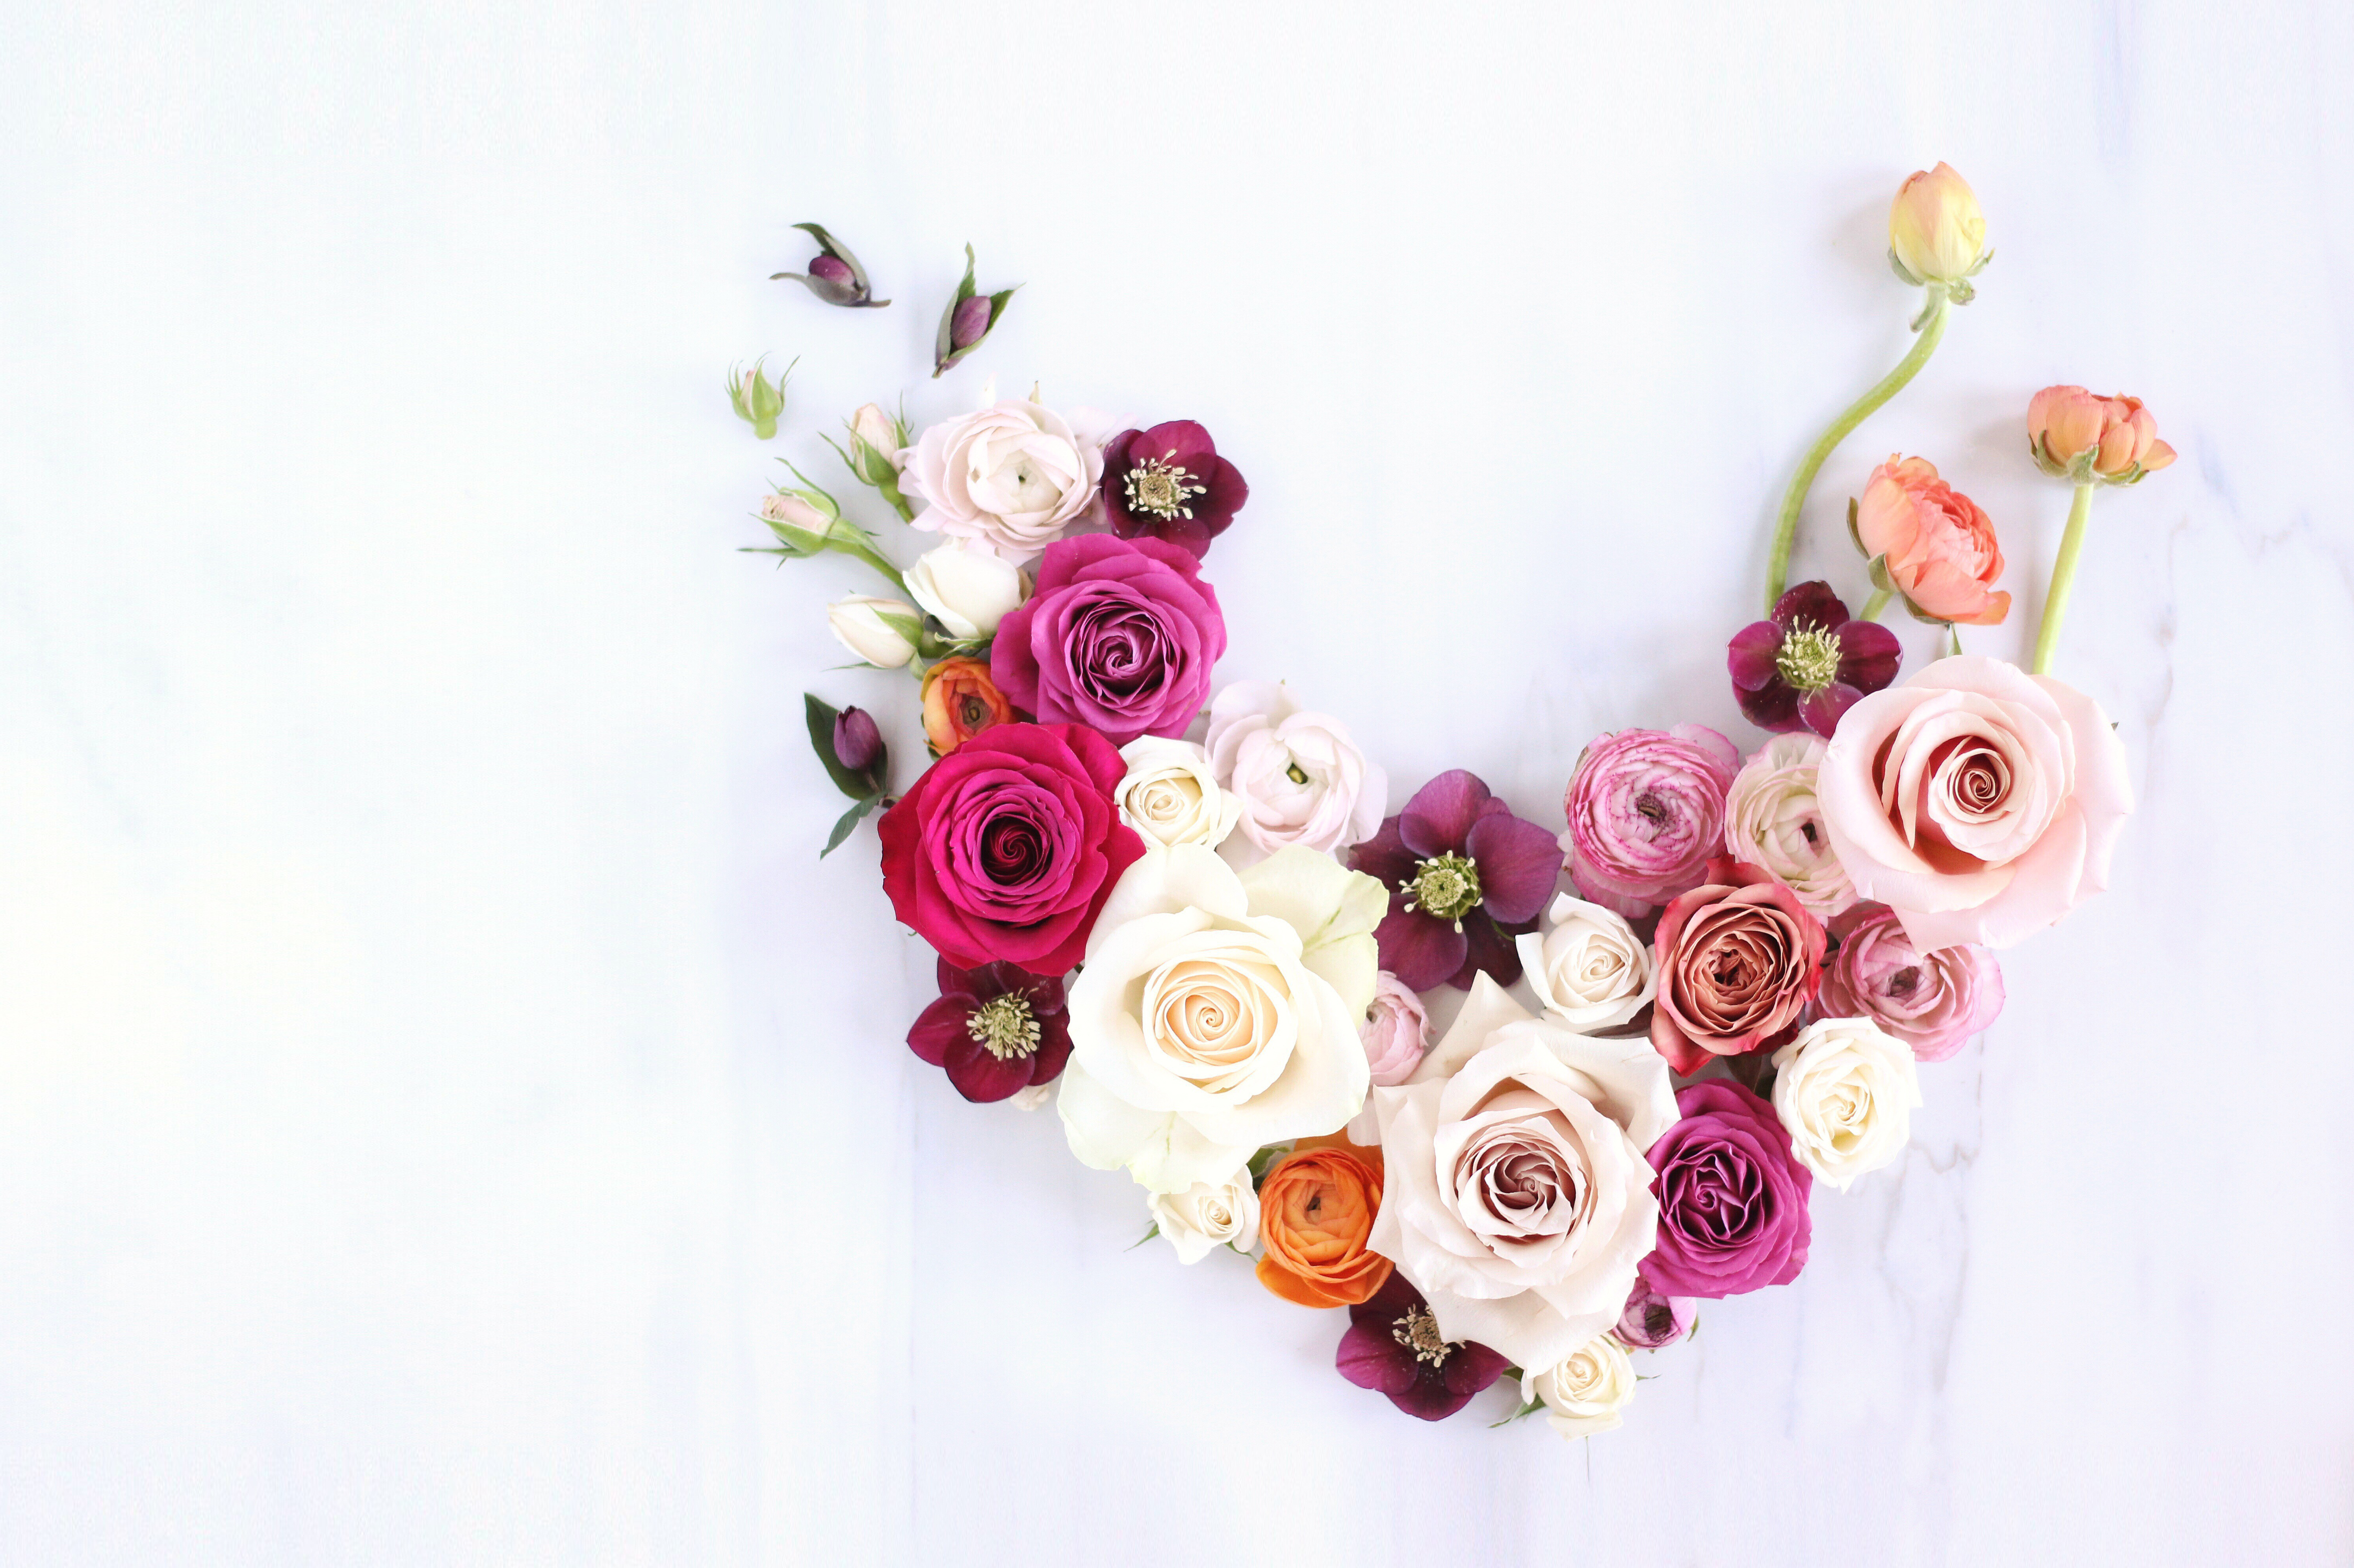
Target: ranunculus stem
[(1786, 526), (1875, 604), (2064, 578)]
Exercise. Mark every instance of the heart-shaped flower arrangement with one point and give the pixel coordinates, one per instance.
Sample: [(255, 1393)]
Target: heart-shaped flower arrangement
[(1185, 913)]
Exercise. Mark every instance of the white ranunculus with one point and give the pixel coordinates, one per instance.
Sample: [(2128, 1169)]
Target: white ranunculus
[(1516, 1196), (1587, 966), (1013, 476), (1773, 821), (1583, 1392), (1208, 1215), (968, 587), (1300, 778), (1845, 1090), (1170, 795), (1217, 1012), (858, 622)]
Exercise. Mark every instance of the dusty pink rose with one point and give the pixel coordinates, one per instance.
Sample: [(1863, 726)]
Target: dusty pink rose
[(2073, 434), (1939, 544), (1646, 812), (1933, 1002), (1978, 803), (1397, 1032), (1738, 959)]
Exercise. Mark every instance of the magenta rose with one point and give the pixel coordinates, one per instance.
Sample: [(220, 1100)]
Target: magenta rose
[(1933, 1002), (1006, 848), (1646, 812), (1733, 1197), (1119, 634)]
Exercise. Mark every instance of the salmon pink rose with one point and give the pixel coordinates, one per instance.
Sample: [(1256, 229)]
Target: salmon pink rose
[(1646, 812), (1936, 545), (1979, 802), (1119, 634), (1738, 958)]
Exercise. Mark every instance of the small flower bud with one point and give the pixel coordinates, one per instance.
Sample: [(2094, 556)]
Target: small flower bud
[(759, 401), (878, 445), (857, 744), (2077, 436), (865, 626), (834, 274), (1652, 1320), (967, 320), (1936, 233), (970, 322)]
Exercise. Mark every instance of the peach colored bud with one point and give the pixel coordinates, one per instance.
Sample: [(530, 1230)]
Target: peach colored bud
[(1935, 232), (2073, 434), (1936, 545)]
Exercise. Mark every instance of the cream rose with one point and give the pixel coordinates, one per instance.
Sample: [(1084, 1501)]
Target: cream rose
[(1217, 1012), (1170, 795), (1299, 776), (968, 587), (1844, 1091), (1013, 476), (1772, 820), (1587, 966), (1517, 1197), (1208, 1215), (1583, 1392)]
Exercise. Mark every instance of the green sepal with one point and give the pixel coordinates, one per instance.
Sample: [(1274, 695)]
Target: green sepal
[(1523, 1414), (1852, 532), (1263, 1162), (1896, 265), (945, 353)]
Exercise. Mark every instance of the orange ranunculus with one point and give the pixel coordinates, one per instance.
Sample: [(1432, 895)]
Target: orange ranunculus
[(1938, 544), (959, 702), (1316, 1209), (2072, 434)]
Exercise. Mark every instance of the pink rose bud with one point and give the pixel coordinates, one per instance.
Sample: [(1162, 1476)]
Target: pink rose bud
[(1935, 232), (2076, 435), (832, 270), (1652, 1320), (834, 274), (1397, 1032), (1932, 544), (857, 742), (970, 324)]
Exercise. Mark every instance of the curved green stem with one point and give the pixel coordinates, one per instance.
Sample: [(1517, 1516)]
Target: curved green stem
[(873, 558), (1932, 329), (2063, 578), (1875, 604)]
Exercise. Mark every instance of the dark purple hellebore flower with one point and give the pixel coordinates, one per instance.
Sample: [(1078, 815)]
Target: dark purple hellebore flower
[(1168, 482), (1809, 663), (1392, 1347), (1469, 877), (997, 1030)]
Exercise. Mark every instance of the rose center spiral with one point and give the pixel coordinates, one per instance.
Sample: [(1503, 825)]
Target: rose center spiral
[(1004, 1026), (1418, 1332), (1445, 886), (1162, 488), (1809, 658)]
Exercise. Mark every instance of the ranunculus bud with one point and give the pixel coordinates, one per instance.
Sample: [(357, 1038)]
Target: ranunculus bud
[(967, 320), (1935, 232), (1653, 1319), (758, 400), (865, 626), (2074, 435), (834, 274), (857, 742), (967, 588)]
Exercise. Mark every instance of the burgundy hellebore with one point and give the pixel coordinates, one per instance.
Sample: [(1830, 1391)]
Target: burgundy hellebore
[(1392, 1347), (1469, 877), (1168, 482), (1809, 663), (997, 1030)]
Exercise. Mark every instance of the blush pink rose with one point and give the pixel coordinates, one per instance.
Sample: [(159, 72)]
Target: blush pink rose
[(1978, 801), (1646, 812), (1396, 1033), (1933, 1002), (1939, 544)]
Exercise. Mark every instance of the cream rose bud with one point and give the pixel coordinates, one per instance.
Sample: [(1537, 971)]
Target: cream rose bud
[(1217, 1012), (1845, 1090), (1170, 796), (1208, 1215), (968, 588), (1772, 820), (1583, 1392), (1587, 966), (859, 622), (1300, 778)]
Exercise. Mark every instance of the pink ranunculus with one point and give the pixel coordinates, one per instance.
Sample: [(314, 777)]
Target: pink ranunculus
[(1646, 812), (1119, 635), (1934, 1002), (1396, 1033), (1733, 1197), (1006, 848), (1979, 802), (1939, 544), (1011, 476), (2075, 434)]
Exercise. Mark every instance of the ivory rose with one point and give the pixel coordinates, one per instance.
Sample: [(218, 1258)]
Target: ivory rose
[(1207, 1214), (967, 588), (1300, 778), (1979, 802), (1588, 968), (1845, 1091), (1646, 812), (1397, 1032), (1170, 795), (1739, 958), (1934, 1002), (1936, 545), (1316, 1209), (1518, 1199), (1773, 821), (1013, 476), (1217, 1014), (1583, 1392)]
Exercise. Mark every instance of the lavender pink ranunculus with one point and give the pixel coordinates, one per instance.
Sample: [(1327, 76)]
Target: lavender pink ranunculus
[(1733, 1197), (1653, 1319), (1934, 1002), (1646, 812), (1119, 635)]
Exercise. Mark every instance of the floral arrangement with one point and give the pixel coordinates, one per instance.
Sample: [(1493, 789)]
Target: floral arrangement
[(1186, 911)]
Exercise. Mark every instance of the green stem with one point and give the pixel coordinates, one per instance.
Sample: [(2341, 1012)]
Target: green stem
[(1875, 604), (1785, 525), (866, 553), (2063, 578)]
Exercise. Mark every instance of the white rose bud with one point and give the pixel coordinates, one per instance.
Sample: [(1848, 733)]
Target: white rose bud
[(1585, 1394), (1587, 967), (858, 622), (968, 588), (1845, 1091), (790, 508), (1208, 1215), (1170, 795)]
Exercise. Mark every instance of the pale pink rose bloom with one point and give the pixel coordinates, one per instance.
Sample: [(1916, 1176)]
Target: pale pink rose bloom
[(1299, 776), (1979, 802), (1939, 544), (1934, 1002), (1397, 1032), (2075, 434), (1013, 476)]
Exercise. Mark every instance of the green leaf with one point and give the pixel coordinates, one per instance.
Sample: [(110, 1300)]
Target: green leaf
[(1145, 1237), (822, 714), (1523, 1414), (1263, 1162), (849, 819)]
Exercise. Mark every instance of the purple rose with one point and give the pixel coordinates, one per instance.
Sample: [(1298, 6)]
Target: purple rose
[(1933, 1002), (1733, 1197), (1652, 1320), (1646, 812), (1119, 635)]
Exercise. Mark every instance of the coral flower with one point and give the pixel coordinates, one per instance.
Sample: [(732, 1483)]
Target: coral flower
[(1394, 1347), (1168, 482), (1936, 545), (1316, 1209), (996, 1030), (1808, 665), (1470, 876), (959, 702), (2072, 434)]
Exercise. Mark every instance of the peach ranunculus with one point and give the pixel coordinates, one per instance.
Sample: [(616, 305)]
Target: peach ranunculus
[(1932, 544), (2073, 434), (1316, 1213), (959, 702), (1979, 802), (1935, 232)]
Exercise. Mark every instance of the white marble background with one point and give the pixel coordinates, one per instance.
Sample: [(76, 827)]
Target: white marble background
[(447, 1115)]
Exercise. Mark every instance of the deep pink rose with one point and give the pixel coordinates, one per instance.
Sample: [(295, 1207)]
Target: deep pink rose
[(1979, 802), (1933, 1002), (1738, 958), (1646, 812), (1005, 849), (1733, 1197), (1119, 634)]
